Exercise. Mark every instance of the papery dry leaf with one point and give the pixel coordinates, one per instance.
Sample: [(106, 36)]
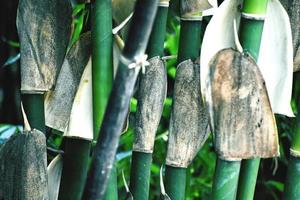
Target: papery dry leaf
[(189, 119), (23, 167), (240, 112), (44, 29), (151, 95)]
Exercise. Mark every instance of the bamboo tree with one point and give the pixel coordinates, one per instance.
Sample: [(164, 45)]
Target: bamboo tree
[(142, 157), (189, 47), (250, 37), (71, 113), (102, 72), (131, 61)]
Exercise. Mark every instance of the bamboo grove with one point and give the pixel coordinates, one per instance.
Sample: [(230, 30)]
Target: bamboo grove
[(95, 72)]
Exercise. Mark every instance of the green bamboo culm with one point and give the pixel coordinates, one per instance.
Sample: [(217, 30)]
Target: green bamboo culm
[(33, 105), (189, 48), (189, 41), (250, 37), (75, 168), (140, 175), (226, 179), (157, 38), (292, 183), (102, 74), (141, 161), (176, 182)]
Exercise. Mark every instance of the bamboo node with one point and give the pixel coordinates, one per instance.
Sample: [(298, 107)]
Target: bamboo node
[(258, 17), (191, 18), (164, 4)]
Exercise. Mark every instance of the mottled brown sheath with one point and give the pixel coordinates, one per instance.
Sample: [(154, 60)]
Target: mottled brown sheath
[(240, 113), (58, 103), (44, 29), (151, 96), (192, 8), (293, 9), (23, 167), (189, 119)]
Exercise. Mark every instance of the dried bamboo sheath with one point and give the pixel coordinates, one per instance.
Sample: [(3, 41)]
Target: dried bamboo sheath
[(189, 121), (192, 10), (151, 96), (58, 103), (242, 120), (23, 164), (44, 29)]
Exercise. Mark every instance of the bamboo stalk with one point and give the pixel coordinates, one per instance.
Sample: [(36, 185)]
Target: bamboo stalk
[(102, 73), (140, 174), (157, 38), (77, 140), (75, 167), (189, 41), (34, 108), (175, 182), (226, 179), (64, 108), (189, 47), (250, 37), (292, 183), (141, 160), (118, 103)]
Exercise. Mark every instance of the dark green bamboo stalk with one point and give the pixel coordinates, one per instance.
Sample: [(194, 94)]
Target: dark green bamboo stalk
[(189, 42), (226, 179), (250, 37), (102, 72), (141, 161), (118, 103), (292, 184), (157, 38), (75, 167), (175, 182), (189, 48), (140, 175), (34, 108)]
